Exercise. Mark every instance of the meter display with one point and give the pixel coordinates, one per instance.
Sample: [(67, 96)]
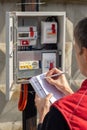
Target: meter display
[(21, 35)]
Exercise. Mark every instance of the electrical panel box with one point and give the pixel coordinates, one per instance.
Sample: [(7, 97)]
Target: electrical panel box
[(35, 43)]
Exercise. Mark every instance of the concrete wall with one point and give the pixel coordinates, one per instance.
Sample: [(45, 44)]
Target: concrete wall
[(73, 13)]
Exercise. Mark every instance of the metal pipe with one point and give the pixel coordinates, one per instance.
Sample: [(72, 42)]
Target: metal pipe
[(23, 5), (37, 5)]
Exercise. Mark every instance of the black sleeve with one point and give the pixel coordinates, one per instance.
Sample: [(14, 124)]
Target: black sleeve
[(39, 127), (54, 120)]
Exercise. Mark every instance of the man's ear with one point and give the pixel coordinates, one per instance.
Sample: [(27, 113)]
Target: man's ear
[(85, 53)]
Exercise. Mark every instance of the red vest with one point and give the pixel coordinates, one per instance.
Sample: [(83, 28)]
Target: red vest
[(74, 108)]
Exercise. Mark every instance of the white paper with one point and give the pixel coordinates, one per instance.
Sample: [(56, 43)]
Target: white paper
[(48, 88)]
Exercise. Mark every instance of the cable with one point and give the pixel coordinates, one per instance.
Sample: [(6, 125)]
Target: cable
[(23, 97)]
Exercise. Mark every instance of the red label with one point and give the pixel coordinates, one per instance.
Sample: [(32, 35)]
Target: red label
[(24, 42)]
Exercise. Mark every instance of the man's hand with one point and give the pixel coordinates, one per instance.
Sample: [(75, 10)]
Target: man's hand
[(59, 82), (43, 105)]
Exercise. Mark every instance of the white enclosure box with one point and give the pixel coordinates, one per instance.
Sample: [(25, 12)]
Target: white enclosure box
[(33, 38), (47, 33)]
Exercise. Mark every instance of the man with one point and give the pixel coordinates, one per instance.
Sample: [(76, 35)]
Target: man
[(70, 112)]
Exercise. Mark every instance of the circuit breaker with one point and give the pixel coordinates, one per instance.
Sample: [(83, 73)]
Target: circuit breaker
[(49, 32), (35, 43)]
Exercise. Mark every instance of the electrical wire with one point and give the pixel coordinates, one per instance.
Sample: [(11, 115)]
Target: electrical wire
[(23, 97)]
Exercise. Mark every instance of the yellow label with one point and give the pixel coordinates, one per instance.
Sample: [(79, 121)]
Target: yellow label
[(23, 65)]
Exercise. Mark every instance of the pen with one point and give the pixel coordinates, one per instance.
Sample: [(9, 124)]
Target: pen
[(54, 75)]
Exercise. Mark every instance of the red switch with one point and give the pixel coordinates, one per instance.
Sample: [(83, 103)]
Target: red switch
[(53, 28), (51, 65), (31, 32)]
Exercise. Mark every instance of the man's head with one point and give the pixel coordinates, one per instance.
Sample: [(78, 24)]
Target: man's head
[(80, 35)]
